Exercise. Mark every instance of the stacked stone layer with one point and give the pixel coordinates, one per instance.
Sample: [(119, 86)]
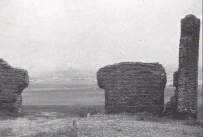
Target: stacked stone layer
[(133, 87), (12, 82), (188, 65), (186, 78)]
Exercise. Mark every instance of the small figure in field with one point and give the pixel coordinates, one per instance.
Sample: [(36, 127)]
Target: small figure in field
[(74, 130), (88, 115)]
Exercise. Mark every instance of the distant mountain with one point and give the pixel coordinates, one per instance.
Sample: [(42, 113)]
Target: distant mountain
[(73, 77), (64, 78)]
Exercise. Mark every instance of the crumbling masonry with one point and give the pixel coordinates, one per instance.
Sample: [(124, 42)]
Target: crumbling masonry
[(12, 83), (186, 78), (133, 87)]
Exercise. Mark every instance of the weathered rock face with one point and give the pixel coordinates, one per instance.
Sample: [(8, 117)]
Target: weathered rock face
[(133, 87), (12, 83), (186, 78)]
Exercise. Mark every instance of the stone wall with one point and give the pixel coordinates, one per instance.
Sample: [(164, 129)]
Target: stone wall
[(188, 65), (12, 82), (133, 87), (186, 78)]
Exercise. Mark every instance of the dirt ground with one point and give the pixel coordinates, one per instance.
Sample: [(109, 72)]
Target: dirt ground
[(52, 124)]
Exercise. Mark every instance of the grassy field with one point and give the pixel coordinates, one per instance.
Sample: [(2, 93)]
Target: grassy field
[(50, 113), (79, 95)]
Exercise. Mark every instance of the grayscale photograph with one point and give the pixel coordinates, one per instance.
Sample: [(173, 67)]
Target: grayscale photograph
[(101, 68)]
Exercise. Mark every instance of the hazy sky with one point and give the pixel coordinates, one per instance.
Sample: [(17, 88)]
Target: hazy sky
[(45, 35)]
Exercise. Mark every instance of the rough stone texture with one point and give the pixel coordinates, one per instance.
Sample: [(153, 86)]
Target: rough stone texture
[(12, 83), (171, 106), (133, 87), (200, 107), (186, 78)]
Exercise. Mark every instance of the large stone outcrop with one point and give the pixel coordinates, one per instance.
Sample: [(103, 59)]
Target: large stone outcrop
[(12, 82), (186, 78), (133, 87)]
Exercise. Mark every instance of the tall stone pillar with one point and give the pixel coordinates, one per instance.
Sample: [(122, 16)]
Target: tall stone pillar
[(187, 76)]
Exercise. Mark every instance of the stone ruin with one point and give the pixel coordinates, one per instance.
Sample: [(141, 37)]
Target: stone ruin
[(12, 82), (186, 78), (133, 87)]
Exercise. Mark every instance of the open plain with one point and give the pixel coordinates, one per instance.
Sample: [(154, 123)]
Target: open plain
[(50, 112)]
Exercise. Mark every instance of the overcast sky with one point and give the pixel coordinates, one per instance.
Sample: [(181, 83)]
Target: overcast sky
[(46, 35)]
